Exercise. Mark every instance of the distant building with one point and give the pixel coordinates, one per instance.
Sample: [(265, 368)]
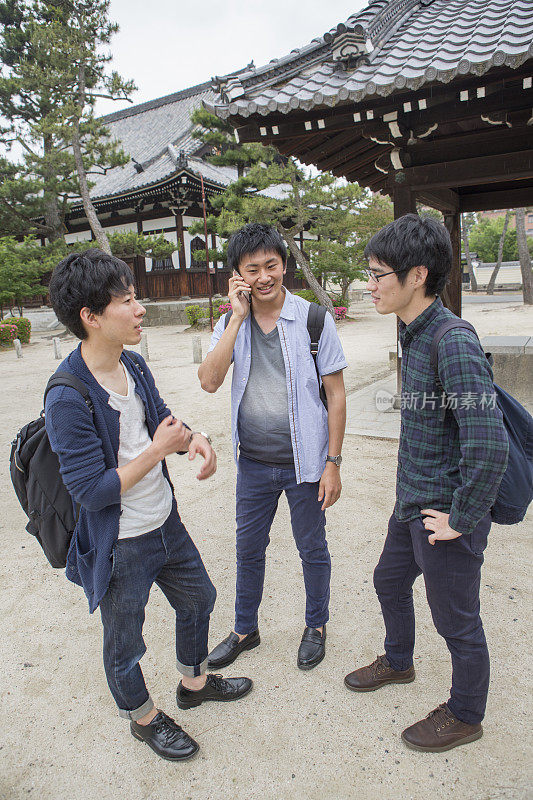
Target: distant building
[(512, 222), (159, 191)]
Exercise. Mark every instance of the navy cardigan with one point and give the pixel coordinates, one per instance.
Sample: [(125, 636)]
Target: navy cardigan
[(87, 447)]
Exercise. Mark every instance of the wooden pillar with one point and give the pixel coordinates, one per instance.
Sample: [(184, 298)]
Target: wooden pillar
[(139, 268), (181, 241), (451, 296), (404, 203)]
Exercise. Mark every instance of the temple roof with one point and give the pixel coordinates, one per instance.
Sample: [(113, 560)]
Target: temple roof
[(157, 136), (392, 45)]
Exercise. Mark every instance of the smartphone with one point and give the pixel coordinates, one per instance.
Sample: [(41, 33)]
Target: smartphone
[(242, 294)]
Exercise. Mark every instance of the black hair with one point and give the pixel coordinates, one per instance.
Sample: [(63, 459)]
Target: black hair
[(90, 279), (252, 238), (411, 241)]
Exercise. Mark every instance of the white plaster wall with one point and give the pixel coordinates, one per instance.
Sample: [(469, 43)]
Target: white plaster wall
[(157, 224)]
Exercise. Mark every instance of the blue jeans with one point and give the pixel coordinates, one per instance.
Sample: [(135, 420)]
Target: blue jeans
[(168, 557), (258, 490), (452, 571)]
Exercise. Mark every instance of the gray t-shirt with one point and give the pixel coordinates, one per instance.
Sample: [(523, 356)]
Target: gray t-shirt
[(264, 430)]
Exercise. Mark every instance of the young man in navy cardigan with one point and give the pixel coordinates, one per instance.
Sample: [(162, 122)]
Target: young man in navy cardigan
[(129, 534)]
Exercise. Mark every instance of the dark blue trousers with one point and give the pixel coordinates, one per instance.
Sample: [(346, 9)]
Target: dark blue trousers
[(258, 490), (168, 557), (451, 571)]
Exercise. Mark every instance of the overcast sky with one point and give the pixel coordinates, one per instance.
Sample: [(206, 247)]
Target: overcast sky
[(168, 45)]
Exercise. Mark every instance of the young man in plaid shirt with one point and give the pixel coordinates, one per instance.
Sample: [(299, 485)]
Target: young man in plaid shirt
[(449, 470)]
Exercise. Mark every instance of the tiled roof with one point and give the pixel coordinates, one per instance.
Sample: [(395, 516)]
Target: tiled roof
[(154, 134), (396, 45)]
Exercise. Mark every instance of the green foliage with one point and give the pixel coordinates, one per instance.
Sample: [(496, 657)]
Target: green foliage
[(55, 56), (308, 295), (194, 313), (132, 244), (8, 333), (485, 237), (278, 191), (23, 327), (22, 265)]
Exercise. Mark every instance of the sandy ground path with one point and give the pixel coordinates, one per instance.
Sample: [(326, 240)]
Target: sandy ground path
[(297, 735)]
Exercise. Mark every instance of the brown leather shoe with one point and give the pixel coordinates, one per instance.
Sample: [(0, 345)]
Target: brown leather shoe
[(379, 673), (440, 731)]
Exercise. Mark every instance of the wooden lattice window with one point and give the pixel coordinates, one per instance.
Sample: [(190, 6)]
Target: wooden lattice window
[(198, 253)]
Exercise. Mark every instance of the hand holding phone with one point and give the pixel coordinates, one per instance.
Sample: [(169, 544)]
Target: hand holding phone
[(239, 295)]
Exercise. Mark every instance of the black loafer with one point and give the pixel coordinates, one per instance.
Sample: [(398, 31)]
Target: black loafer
[(216, 688), (165, 738), (227, 651), (312, 648)]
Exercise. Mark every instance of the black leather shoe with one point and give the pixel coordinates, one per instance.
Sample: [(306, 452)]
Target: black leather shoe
[(312, 648), (216, 688), (227, 651), (165, 738)]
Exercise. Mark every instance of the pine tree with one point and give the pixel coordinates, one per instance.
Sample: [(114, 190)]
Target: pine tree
[(276, 190), (56, 68)]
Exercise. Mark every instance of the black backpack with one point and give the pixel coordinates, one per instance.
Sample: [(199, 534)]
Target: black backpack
[(35, 475), (516, 489), (315, 325)]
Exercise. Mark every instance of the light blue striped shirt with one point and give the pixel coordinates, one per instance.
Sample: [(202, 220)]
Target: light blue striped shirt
[(308, 418)]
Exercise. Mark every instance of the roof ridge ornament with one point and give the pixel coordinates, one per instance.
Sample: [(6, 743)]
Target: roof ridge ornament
[(348, 44)]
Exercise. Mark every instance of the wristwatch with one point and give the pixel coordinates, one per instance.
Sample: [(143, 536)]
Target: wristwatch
[(337, 460), (205, 435)]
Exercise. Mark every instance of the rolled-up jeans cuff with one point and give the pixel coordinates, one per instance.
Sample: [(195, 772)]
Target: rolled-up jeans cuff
[(194, 671), (137, 713)]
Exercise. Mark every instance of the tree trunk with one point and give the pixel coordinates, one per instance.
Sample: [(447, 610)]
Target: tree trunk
[(523, 254), (52, 214), (90, 211), (473, 281), (303, 263), (492, 281)]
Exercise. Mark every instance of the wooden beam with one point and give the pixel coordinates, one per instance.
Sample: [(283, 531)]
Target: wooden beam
[(448, 108), (443, 199), (471, 171), (503, 198), (461, 146)]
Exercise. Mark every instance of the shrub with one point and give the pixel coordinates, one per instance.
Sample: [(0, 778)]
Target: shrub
[(224, 308), (338, 302), (308, 295), (8, 333), (340, 312), (194, 313), (23, 327)]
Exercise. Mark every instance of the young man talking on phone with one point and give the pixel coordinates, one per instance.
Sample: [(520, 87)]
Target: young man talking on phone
[(283, 437)]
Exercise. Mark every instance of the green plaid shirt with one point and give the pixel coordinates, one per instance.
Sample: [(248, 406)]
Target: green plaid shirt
[(453, 464)]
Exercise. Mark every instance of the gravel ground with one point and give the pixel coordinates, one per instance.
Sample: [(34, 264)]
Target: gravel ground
[(297, 735)]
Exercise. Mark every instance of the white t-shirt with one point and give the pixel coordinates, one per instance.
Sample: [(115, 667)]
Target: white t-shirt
[(146, 505)]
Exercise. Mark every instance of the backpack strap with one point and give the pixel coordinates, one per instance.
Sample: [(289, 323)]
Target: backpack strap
[(315, 325), (67, 379), (227, 318), (450, 324)]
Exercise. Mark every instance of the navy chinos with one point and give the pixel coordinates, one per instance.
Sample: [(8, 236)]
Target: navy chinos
[(258, 491), (451, 571)]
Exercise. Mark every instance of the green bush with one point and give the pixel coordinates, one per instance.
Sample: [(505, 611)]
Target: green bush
[(23, 326), (338, 302), (194, 313), (8, 333), (308, 295)]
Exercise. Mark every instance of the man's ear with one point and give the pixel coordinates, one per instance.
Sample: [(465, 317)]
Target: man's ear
[(421, 274), (89, 318), (285, 268)]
